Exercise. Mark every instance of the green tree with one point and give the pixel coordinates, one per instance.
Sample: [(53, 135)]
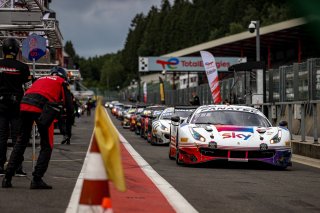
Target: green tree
[(68, 48)]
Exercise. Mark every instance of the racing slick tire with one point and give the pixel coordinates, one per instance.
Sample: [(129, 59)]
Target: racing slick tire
[(177, 158), (177, 152), (152, 140), (170, 157)]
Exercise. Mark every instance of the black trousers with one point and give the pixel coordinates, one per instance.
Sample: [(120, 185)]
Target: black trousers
[(65, 126), (9, 122), (27, 119)]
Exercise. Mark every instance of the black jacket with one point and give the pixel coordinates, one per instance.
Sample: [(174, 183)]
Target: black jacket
[(195, 101), (13, 74)]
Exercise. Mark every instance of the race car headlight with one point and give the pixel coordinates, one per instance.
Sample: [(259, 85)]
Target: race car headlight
[(164, 128), (276, 138), (196, 135)]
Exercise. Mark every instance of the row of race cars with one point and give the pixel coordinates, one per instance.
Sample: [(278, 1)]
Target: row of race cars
[(198, 134)]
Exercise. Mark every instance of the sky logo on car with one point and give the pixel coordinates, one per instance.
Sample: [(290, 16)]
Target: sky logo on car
[(235, 135), (234, 129)]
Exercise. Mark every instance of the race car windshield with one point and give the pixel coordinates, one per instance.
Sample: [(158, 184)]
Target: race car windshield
[(166, 116), (230, 118), (156, 113), (182, 114)]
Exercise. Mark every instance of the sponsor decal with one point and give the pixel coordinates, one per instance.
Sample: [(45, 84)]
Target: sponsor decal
[(169, 63), (235, 135), (212, 75), (234, 129), (269, 133), (183, 140)]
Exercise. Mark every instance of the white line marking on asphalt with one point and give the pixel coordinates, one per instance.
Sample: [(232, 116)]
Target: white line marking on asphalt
[(75, 197), (53, 160), (176, 200), (306, 160)]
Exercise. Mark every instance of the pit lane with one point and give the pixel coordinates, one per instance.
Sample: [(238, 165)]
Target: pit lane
[(234, 186)]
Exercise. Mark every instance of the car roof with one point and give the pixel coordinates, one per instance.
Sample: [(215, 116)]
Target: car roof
[(229, 107)]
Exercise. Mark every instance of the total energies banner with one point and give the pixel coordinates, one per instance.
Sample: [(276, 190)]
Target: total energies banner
[(145, 92), (192, 64), (212, 75)]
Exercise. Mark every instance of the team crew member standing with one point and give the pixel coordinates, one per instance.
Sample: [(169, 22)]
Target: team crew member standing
[(37, 105), (13, 74)]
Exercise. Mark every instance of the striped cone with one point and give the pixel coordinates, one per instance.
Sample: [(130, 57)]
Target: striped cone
[(95, 186), (106, 205)]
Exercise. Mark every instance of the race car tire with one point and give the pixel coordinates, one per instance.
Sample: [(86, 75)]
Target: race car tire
[(170, 157), (152, 140), (137, 131), (177, 158), (141, 133)]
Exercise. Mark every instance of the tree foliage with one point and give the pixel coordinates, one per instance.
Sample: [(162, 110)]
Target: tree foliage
[(172, 27)]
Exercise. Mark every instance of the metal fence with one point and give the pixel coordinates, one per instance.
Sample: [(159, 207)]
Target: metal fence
[(296, 82), (292, 94)]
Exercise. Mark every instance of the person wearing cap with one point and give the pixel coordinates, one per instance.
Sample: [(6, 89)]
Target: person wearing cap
[(13, 75), (41, 103)]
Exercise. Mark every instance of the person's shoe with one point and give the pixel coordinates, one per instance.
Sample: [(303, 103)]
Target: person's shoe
[(6, 182), (66, 140), (2, 172), (20, 172), (39, 184)]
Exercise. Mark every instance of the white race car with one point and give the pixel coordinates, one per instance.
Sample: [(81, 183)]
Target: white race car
[(232, 133), (161, 126)]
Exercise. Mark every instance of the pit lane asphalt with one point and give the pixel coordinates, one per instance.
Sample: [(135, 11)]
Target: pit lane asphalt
[(234, 187), (64, 168), (215, 187)]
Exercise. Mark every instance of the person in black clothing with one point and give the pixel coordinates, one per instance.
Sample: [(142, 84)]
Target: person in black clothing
[(13, 75), (195, 99), (41, 103), (66, 123), (89, 105)]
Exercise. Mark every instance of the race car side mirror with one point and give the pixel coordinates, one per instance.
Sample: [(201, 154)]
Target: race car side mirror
[(175, 119), (283, 123)]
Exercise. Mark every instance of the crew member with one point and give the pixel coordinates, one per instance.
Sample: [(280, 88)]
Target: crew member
[(13, 74), (195, 99), (40, 104), (89, 105), (66, 123)]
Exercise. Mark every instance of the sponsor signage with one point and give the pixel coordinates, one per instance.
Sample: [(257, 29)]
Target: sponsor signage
[(194, 64), (212, 75), (34, 47)]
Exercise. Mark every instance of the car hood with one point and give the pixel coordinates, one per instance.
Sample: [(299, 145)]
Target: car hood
[(227, 135)]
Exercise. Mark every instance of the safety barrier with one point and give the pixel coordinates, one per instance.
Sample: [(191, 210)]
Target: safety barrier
[(95, 195)]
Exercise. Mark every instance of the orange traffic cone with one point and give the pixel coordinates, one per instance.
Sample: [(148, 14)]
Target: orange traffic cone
[(95, 182), (106, 205)]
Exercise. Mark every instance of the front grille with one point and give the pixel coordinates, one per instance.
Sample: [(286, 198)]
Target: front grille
[(237, 154), (261, 154), (214, 152)]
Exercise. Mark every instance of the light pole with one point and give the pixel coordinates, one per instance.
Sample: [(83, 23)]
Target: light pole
[(254, 26)]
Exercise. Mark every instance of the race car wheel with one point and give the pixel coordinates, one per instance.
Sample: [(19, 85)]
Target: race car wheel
[(179, 162), (141, 133), (152, 142), (170, 157)]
